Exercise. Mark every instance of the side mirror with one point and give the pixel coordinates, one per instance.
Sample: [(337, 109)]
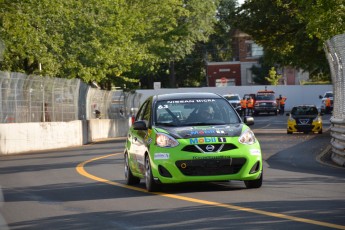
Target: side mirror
[(248, 120), (320, 97), (139, 125)]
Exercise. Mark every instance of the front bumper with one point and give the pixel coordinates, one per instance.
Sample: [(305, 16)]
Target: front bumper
[(314, 127), (261, 109), (244, 163)]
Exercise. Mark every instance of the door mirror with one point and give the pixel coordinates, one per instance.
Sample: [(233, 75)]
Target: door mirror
[(139, 125), (248, 120)]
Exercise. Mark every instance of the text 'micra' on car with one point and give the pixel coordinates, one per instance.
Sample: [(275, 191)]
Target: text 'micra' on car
[(191, 137), (304, 118)]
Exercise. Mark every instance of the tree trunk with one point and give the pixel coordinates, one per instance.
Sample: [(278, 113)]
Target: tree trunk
[(172, 77)]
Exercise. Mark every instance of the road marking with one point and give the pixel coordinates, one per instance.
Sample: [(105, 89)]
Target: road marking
[(80, 169)]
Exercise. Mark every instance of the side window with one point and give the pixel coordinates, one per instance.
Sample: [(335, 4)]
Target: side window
[(144, 111), (147, 111), (140, 113)]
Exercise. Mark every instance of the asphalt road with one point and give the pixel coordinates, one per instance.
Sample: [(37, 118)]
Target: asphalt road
[(83, 188)]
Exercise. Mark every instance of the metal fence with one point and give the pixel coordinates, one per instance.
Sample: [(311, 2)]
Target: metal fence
[(33, 98), (335, 51), (26, 98)]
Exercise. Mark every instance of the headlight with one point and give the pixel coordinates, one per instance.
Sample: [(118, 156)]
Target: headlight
[(166, 141), (247, 137), (291, 119), (317, 119)]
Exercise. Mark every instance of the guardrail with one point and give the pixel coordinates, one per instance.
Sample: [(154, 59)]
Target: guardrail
[(338, 141), (335, 52)]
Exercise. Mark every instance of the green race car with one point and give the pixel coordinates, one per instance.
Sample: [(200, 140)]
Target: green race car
[(191, 137)]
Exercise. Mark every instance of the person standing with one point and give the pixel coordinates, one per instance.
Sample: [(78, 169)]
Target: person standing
[(243, 106), (281, 100), (328, 105), (250, 106)]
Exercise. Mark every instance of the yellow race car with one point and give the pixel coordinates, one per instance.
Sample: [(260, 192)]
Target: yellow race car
[(304, 118)]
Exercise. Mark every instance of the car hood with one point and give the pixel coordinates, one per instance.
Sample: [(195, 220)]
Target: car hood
[(202, 131)]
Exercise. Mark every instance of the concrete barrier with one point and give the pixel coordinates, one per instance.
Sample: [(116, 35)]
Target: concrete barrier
[(25, 137)]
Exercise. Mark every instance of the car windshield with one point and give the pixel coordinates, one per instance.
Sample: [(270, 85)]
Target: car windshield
[(268, 97), (304, 110), (233, 98), (329, 95), (204, 111)]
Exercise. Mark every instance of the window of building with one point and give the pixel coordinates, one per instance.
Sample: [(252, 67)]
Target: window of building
[(249, 76), (253, 50)]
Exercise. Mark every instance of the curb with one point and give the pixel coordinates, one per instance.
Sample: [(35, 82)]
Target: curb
[(325, 158)]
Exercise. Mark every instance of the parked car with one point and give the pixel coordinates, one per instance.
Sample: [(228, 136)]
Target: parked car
[(235, 101), (328, 94), (304, 118), (207, 141)]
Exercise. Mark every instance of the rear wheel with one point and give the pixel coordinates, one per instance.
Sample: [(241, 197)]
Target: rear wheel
[(130, 179), (254, 183), (320, 132), (151, 185)]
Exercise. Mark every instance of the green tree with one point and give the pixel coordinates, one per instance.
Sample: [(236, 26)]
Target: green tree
[(219, 47), (292, 32), (273, 78), (100, 40), (260, 73), (173, 46)]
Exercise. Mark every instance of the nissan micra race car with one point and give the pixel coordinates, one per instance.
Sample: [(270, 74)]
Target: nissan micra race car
[(304, 118), (191, 137)]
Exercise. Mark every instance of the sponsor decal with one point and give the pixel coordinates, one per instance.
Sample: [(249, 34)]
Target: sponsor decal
[(221, 139), (180, 101), (161, 156), (202, 140), (210, 157), (255, 152), (220, 131), (202, 132), (191, 101)]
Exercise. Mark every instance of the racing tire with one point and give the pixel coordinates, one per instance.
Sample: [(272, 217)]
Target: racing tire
[(288, 132), (254, 183), (151, 185), (320, 132), (130, 179)]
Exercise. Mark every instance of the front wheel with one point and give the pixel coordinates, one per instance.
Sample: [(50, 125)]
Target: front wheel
[(151, 185), (254, 183), (130, 179)]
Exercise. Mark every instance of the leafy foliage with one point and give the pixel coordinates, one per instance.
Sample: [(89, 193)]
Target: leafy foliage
[(273, 77), (292, 32), (100, 40)]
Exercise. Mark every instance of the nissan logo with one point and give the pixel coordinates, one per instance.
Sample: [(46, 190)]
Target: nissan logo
[(210, 148)]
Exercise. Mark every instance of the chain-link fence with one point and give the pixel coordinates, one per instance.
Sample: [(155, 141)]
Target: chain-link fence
[(335, 51), (26, 98), (32, 98)]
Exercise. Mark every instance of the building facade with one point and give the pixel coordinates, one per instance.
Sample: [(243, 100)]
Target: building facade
[(246, 54)]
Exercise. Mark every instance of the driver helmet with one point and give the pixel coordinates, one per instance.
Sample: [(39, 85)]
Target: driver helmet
[(207, 112)]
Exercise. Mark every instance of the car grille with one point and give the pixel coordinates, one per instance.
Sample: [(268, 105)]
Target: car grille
[(304, 128), (266, 104), (304, 121), (205, 148), (210, 167)]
